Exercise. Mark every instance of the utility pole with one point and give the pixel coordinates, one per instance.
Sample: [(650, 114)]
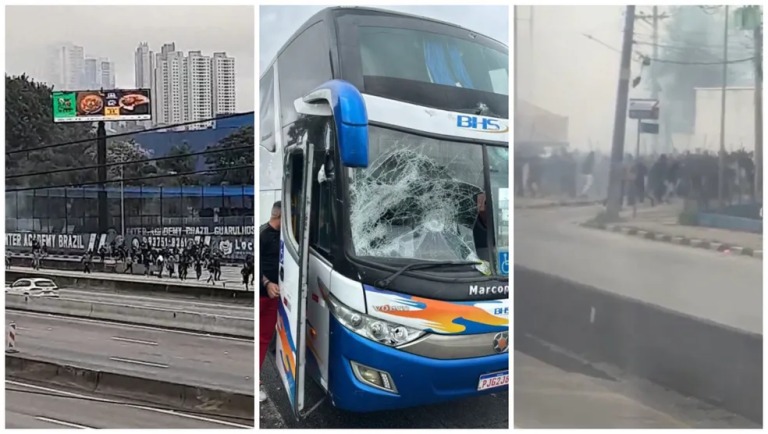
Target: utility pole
[(655, 81), (532, 96), (613, 202), (721, 160), (101, 160), (759, 110)]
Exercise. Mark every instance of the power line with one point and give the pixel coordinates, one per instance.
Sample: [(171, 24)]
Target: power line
[(682, 47), (675, 62), (669, 60), (142, 178), (167, 157), (75, 142)]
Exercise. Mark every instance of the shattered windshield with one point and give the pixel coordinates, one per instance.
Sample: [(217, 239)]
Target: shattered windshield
[(420, 198), (498, 166)]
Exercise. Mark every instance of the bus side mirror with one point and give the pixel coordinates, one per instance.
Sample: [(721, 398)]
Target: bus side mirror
[(342, 101)]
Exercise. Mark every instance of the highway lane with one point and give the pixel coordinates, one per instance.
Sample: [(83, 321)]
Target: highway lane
[(722, 288), (162, 302), (32, 406), (555, 390), (230, 276), (176, 356)]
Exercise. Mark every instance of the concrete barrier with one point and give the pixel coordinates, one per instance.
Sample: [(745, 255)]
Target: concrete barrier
[(125, 284), (693, 356), (172, 319), (220, 403)]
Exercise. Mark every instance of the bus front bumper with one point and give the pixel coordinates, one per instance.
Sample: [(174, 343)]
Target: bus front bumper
[(419, 380)]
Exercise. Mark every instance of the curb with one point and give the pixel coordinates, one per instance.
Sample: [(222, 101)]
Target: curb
[(674, 239), (560, 204), (161, 393)]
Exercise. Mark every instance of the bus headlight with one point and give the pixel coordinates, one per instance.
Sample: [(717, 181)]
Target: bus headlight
[(375, 329)]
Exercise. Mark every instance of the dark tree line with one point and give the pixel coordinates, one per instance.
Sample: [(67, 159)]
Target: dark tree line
[(29, 124)]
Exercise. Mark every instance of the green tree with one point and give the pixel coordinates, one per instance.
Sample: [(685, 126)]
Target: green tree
[(29, 124), (128, 151), (184, 163), (241, 157)]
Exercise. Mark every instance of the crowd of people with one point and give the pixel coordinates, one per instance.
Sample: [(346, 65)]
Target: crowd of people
[(175, 262), (656, 178)]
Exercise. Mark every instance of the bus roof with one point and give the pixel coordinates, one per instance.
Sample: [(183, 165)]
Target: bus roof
[(336, 10)]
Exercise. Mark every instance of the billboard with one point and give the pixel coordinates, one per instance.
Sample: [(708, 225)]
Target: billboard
[(101, 105)]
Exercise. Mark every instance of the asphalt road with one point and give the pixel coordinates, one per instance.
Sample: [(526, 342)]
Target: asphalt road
[(32, 406), (489, 411), (723, 288), (229, 275), (169, 302), (556, 390), (185, 357)]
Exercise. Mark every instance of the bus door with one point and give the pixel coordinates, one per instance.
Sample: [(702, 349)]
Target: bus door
[(343, 103)]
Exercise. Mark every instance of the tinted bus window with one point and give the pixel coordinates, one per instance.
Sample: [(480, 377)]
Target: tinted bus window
[(267, 110), (432, 58), (304, 65)]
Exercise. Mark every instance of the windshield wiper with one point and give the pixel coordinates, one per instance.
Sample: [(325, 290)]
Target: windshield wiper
[(384, 283)]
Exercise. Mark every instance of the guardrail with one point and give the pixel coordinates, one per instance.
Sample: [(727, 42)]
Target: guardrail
[(127, 284), (696, 357), (172, 319)]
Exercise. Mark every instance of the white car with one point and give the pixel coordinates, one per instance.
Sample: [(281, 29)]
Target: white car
[(34, 287)]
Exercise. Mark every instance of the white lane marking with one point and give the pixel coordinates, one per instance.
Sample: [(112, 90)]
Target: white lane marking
[(193, 416), (140, 407), (133, 341), (62, 423), (138, 362), (125, 325)]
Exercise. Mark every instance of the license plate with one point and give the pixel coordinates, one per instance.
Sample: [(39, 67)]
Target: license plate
[(493, 380)]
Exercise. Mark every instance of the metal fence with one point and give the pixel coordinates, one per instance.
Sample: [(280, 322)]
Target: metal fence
[(75, 210)]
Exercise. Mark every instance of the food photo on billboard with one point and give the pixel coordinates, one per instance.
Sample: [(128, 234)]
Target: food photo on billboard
[(100, 105)]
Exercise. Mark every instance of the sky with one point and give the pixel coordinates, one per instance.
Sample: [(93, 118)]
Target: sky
[(565, 72), (277, 23), (115, 32), (569, 74)]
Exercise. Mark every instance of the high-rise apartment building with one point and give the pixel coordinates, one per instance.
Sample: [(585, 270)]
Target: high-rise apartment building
[(199, 89), (223, 84), (65, 67), (144, 66), (188, 88), (91, 73), (106, 74)]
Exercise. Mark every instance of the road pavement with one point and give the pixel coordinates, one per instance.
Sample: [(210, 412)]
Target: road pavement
[(175, 356), (723, 288), (165, 301), (33, 406), (489, 411), (230, 277), (555, 390)]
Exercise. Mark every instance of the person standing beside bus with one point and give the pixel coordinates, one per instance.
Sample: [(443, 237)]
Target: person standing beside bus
[(269, 291)]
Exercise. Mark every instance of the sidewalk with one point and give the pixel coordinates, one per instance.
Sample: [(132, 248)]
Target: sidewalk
[(551, 202), (660, 223)]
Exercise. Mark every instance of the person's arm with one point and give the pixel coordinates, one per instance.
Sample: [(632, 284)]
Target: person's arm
[(263, 240)]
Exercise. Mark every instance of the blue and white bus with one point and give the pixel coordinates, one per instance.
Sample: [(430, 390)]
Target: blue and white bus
[(391, 133)]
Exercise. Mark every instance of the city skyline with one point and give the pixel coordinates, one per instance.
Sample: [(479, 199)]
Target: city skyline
[(191, 28), (187, 87)]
